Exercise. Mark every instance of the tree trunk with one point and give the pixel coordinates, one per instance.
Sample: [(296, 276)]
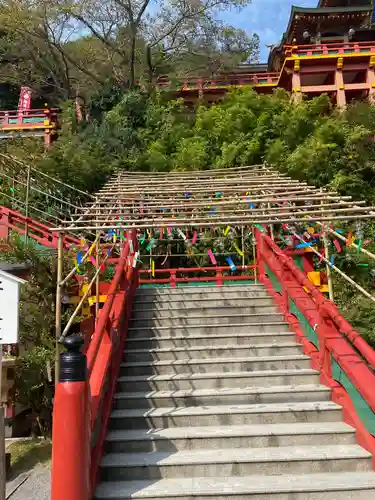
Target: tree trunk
[(150, 69), (132, 57)]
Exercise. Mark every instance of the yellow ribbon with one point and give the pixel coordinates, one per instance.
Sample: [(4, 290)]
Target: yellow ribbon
[(240, 252)]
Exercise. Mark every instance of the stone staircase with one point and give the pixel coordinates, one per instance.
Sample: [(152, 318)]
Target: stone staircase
[(215, 400)]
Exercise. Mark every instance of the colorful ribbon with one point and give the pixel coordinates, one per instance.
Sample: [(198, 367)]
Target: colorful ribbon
[(212, 257), (231, 263)]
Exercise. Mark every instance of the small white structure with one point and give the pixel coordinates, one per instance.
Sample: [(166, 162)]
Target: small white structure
[(9, 307)]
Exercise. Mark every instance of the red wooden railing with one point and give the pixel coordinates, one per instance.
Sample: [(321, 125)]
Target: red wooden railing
[(173, 279), (20, 118), (318, 49), (10, 220), (82, 408), (224, 80), (75, 477), (337, 344)]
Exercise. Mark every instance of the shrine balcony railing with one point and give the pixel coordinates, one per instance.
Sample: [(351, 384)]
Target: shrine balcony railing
[(220, 81), (329, 49), (33, 118)]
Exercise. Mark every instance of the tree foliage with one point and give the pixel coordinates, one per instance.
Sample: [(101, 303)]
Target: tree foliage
[(61, 47)]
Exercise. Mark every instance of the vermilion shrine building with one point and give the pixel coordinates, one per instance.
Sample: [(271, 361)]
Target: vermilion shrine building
[(330, 48)]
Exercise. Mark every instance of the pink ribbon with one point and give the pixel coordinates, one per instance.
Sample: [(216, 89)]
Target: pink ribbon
[(212, 257)]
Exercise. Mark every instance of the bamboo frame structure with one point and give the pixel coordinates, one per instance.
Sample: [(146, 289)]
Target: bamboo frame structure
[(237, 197)]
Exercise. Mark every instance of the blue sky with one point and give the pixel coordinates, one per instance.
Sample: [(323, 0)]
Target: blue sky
[(268, 18)]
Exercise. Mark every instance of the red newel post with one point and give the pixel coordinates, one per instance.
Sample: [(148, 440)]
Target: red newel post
[(71, 426)]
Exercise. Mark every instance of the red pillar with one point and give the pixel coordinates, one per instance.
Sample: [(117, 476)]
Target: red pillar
[(71, 434)]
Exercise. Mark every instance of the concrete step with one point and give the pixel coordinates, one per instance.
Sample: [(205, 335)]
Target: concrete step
[(235, 462), (187, 303), (244, 414), (187, 381), (211, 351), (161, 339), (204, 330), (243, 436), (199, 290), (217, 365), (196, 311), (207, 320), (318, 486), (280, 394)]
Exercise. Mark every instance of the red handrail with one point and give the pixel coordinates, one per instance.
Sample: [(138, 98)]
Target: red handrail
[(28, 112), (332, 44), (104, 357), (332, 329), (13, 220)]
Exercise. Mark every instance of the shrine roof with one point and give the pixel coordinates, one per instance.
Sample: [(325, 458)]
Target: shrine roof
[(359, 12)]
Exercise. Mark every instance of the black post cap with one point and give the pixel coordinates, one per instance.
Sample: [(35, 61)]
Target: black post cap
[(73, 363)]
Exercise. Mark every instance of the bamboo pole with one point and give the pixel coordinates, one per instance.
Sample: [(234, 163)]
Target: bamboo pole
[(243, 246), (339, 207), (84, 297), (328, 266), (166, 204), (97, 283), (254, 255), (235, 214), (191, 223), (345, 276), (53, 179), (27, 207), (60, 265)]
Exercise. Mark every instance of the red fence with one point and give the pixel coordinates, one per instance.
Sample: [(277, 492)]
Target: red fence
[(82, 407), (10, 220), (28, 118), (319, 49), (224, 80), (174, 278), (345, 361)]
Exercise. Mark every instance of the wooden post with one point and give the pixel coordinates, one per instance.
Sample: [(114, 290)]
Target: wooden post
[(243, 246), (2, 435), (97, 283), (328, 267), (60, 262), (271, 227), (27, 205), (255, 256)]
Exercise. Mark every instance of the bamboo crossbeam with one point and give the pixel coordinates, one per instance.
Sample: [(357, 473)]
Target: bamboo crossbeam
[(182, 216), (209, 223), (218, 203), (98, 211), (214, 183), (305, 210)]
